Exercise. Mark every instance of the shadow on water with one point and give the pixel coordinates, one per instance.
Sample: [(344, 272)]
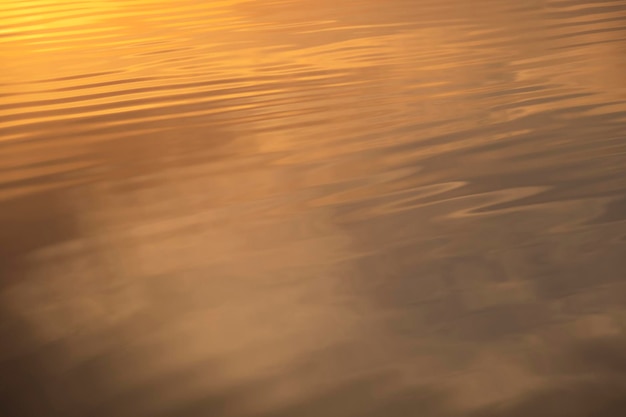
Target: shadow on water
[(29, 223), (588, 379), (592, 391)]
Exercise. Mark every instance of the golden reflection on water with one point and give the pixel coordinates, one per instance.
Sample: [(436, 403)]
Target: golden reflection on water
[(298, 208)]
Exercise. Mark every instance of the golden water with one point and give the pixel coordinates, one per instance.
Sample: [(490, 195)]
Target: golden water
[(303, 208)]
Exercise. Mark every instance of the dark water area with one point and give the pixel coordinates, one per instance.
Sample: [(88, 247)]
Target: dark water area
[(298, 208)]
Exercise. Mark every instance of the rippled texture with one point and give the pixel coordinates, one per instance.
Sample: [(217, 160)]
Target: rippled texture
[(313, 208)]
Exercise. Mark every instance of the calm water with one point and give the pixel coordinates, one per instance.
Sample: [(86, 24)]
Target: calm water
[(303, 208)]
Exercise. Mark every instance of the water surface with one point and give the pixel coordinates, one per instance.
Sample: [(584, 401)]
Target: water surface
[(313, 208)]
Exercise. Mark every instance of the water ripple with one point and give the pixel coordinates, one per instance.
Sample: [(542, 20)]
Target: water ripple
[(298, 207)]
